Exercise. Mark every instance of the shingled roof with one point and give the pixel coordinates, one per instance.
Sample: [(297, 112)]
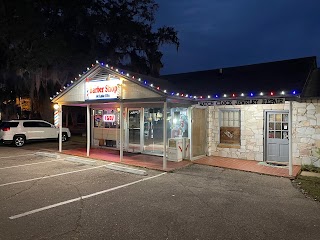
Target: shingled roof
[(300, 75)]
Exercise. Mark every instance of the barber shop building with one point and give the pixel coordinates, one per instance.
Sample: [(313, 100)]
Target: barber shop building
[(267, 112)]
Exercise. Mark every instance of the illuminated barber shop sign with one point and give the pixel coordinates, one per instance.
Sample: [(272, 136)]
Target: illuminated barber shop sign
[(242, 102), (109, 118), (107, 89)]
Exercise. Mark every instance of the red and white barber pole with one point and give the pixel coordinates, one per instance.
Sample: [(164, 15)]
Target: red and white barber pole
[(56, 118)]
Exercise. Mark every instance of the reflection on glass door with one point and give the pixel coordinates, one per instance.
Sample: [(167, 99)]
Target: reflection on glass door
[(134, 130), (153, 131)]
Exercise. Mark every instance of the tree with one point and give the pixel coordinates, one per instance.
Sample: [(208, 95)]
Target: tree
[(46, 42)]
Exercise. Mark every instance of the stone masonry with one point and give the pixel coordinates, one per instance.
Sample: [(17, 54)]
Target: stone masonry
[(305, 131)]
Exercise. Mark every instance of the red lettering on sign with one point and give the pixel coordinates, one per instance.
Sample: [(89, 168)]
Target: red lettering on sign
[(111, 89), (96, 90), (109, 118)]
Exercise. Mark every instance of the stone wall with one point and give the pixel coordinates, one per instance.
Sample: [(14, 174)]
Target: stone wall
[(305, 131)]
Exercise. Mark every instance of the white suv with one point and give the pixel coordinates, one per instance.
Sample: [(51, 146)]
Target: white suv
[(20, 131)]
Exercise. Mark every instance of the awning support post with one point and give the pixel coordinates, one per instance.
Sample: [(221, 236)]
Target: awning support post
[(60, 128), (164, 136), (121, 132), (88, 130), (290, 140)]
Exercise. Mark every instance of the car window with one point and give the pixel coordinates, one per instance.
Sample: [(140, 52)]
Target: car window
[(44, 124), (9, 124), (30, 124)]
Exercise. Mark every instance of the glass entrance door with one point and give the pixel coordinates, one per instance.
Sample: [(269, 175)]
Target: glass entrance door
[(153, 131), (134, 116)]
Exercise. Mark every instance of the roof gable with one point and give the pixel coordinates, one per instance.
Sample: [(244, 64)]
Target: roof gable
[(131, 88)]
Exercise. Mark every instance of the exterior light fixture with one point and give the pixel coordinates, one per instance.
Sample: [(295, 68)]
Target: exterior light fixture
[(56, 107)]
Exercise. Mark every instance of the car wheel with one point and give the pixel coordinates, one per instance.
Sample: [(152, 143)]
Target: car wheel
[(19, 141), (64, 137)]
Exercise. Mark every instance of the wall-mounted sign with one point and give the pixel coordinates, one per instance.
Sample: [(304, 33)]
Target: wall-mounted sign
[(242, 102), (107, 89), (109, 118)]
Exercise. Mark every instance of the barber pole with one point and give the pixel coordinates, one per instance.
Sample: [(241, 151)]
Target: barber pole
[(56, 118)]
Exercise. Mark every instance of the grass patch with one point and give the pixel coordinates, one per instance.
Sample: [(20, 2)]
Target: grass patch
[(310, 168), (309, 186)]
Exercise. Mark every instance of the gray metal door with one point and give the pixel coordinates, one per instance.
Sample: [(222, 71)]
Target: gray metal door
[(277, 136)]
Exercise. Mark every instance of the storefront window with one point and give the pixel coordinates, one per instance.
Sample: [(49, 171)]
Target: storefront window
[(178, 122), (230, 126), (177, 126), (106, 130), (107, 118)]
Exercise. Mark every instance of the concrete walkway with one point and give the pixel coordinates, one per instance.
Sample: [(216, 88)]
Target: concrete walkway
[(249, 166), (310, 174), (155, 162)]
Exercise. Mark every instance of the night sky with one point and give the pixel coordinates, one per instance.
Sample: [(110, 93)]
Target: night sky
[(226, 33)]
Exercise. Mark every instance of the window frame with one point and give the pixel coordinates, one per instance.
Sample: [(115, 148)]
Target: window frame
[(236, 129)]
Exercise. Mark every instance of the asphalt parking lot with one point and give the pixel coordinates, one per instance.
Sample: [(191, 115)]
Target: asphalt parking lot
[(53, 196)]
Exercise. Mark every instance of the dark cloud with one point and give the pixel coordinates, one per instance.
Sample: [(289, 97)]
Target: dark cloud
[(222, 33)]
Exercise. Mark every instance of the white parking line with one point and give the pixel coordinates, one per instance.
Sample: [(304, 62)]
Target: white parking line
[(50, 176), (83, 197), (28, 164), (18, 155)]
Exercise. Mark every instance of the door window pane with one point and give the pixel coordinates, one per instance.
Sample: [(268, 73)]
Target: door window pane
[(278, 117), (278, 126), (284, 126), (271, 125), (285, 135), (284, 117), (271, 118)]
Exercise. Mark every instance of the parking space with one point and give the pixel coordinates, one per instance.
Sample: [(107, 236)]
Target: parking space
[(33, 181), (46, 197)]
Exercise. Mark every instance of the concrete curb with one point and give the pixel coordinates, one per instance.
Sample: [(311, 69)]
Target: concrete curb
[(126, 169), (46, 154), (81, 160), (310, 174)]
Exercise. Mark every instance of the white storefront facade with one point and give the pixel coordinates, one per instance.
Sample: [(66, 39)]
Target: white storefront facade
[(145, 114)]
